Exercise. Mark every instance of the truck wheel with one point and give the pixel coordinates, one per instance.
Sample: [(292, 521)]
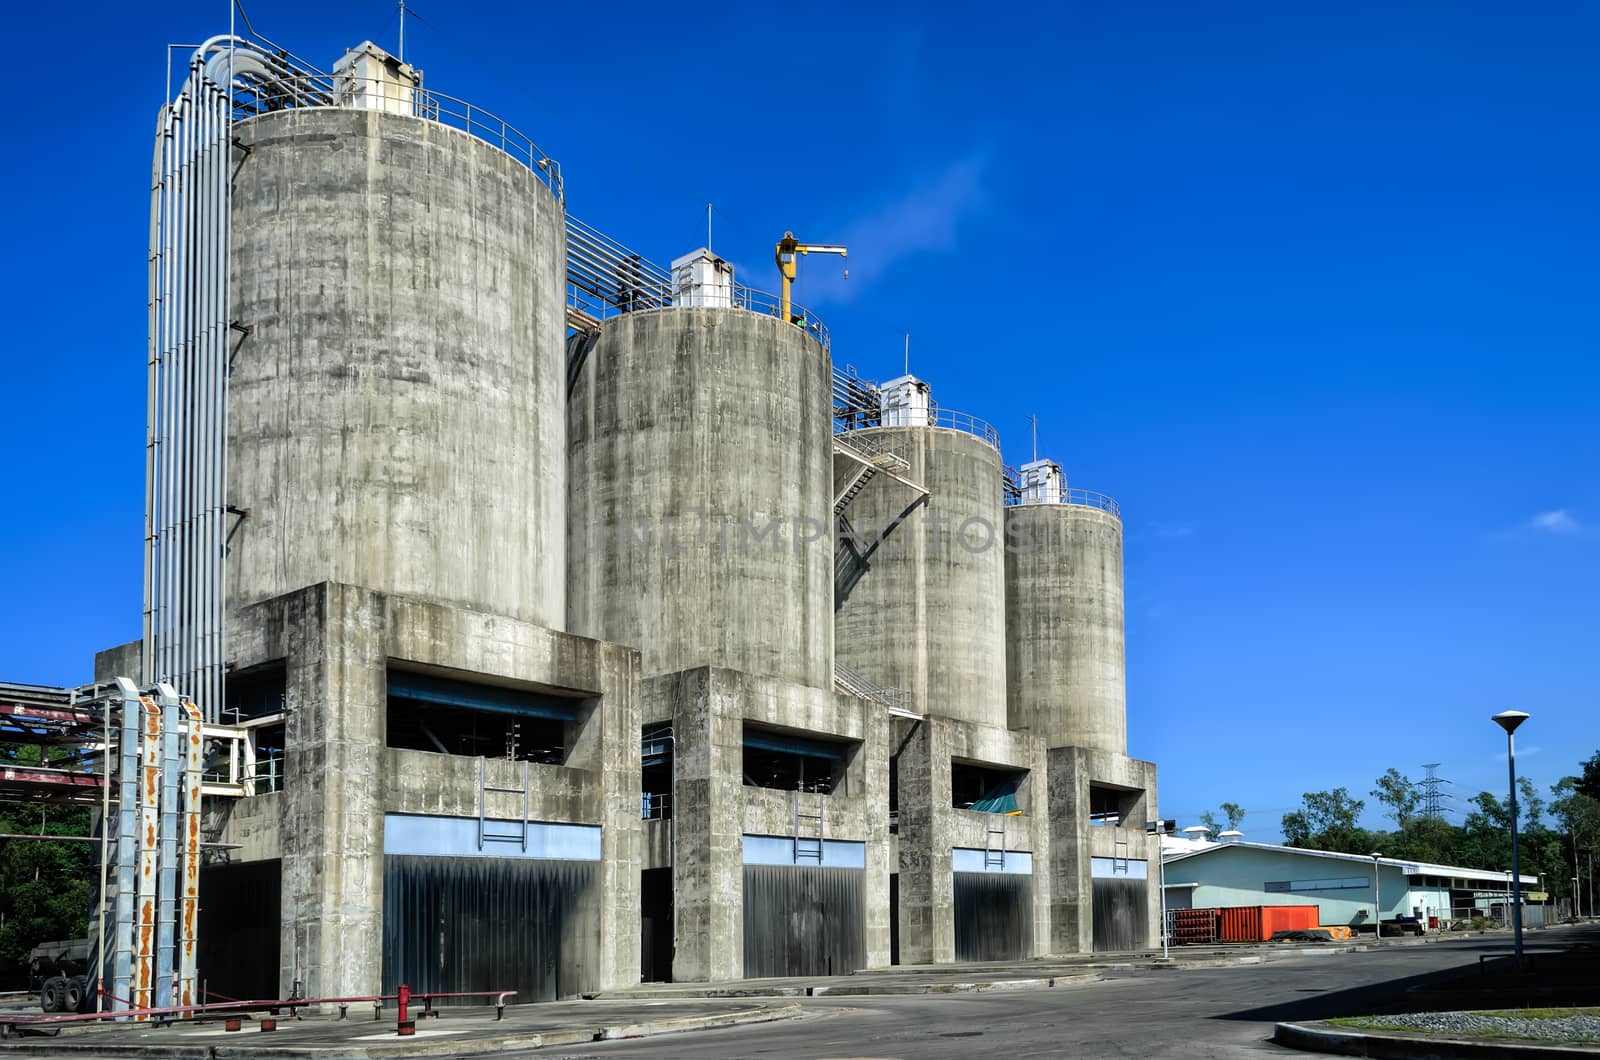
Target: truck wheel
[(77, 988), (53, 994)]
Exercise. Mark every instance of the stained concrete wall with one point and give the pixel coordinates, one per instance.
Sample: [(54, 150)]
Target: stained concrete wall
[(1075, 841), (701, 475), (929, 614), (713, 809), (1065, 664), (337, 642), (396, 412), (931, 827)]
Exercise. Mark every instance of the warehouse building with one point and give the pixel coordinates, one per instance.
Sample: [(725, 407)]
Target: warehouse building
[(1341, 886)]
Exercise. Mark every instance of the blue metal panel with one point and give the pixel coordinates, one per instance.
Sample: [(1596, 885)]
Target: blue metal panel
[(425, 688), (457, 837), (779, 850), (1119, 869), (1017, 862), (794, 745)]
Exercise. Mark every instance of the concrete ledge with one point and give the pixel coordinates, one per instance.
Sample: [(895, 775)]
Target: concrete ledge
[(1342, 1041)]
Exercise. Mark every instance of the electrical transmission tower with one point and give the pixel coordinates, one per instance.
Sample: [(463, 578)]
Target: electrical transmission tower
[(1433, 793)]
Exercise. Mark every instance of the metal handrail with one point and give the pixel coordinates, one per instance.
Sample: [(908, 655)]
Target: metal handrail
[(1078, 498), (846, 420), (298, 84)]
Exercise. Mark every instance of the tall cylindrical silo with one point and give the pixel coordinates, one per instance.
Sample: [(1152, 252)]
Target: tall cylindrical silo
[(397, 410), (928, 615), (1064, 615), (701, 479)]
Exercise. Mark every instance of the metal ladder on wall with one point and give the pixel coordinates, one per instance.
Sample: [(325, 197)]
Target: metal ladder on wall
[(994, 857), (1119, 849), (484, 791), (803, 844)]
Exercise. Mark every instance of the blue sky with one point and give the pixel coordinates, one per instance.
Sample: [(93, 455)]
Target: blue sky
[(1309, 288)]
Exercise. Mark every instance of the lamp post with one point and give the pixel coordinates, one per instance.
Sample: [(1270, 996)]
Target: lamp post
[(1509, 720), (1161, 870), (1377, 900)]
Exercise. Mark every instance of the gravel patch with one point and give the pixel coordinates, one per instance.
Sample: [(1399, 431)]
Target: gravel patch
[(1580, 1027)]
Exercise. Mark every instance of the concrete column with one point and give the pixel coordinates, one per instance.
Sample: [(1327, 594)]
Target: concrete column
[(1041, 827), (621, 834), (927, 897), (707, 841), (874, 753), (1071, 916), (332, 912)]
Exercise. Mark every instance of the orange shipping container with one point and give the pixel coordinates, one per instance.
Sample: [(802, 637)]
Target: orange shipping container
[(1256, 923)]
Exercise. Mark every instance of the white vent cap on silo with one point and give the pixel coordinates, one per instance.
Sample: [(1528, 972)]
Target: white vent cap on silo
[(905, 402), (700, 278), (369, 78), (1041, 482)]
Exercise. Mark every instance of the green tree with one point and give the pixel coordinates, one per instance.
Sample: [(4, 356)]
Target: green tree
[(1400, 794), (1235, 815), (1589, 777), (1326, 820), (44, 885), (1209, 819)]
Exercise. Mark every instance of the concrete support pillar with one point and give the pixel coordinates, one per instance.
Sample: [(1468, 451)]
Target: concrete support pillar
[(1074, 842), (622, 831), (927, 917), (707, 841), (332, 914), (1071, 915), (874, 757)]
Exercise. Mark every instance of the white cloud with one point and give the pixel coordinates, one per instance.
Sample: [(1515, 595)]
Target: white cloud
[(925, 218), (1559, 521), (1172, 532)]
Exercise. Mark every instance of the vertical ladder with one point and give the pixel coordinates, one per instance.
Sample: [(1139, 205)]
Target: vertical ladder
[(809, 846), (1119, 849), (484, 791), (995, 856)]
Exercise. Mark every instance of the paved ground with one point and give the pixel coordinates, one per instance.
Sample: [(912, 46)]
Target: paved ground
[(1223, 1012), (1211, 1006)]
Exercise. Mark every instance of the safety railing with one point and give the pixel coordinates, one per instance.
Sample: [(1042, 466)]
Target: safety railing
[(1066, 495), (856, 419), (862, 686), (655, 805), (295, 83)]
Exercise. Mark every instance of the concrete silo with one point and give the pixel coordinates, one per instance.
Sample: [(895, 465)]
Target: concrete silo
[(701, 475), (397, 416), (928, 613), (1064, 614)]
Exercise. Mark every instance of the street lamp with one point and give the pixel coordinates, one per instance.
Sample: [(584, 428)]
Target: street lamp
[(1377, 900), (1509, 720), (1161, 869)]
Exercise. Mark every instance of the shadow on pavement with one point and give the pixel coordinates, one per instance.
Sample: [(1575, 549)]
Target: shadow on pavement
[(1564, 972)]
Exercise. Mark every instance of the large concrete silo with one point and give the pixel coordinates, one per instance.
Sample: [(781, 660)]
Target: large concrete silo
[(397, 416), (701, 474), (1064, 615), (928, 614)]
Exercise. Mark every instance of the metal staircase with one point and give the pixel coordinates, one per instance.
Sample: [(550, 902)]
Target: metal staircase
[(810, 847)]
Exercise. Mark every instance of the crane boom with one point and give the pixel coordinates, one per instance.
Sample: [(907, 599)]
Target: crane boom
[(784, 254)]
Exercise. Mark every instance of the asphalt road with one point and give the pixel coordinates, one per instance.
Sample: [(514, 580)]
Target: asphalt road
[(1201, 1013)]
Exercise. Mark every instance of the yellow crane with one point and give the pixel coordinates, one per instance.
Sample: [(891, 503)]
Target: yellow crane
[(785, 252)]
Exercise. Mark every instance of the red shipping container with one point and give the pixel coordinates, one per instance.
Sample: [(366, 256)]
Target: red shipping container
[(1257, 923)]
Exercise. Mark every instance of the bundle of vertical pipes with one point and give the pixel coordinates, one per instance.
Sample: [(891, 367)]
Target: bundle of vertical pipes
[(189, 332)]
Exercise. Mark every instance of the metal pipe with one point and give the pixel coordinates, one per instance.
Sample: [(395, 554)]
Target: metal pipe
[(189, 917), (127, 827), (167, 872)]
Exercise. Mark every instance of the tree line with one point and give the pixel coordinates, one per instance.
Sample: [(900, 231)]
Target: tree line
[(1559, 834)]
